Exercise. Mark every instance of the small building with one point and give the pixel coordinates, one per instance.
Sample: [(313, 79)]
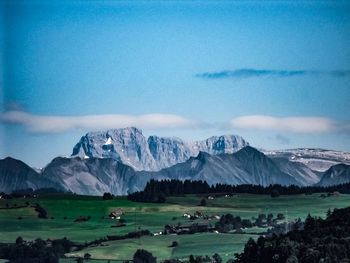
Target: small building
[(186, 215), (116, 214)]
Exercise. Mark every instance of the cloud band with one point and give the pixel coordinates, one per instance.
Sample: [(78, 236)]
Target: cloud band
[(56, 124), (289, 124), (250, 73)]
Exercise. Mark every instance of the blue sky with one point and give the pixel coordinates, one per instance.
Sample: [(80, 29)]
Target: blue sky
[(277, 73)]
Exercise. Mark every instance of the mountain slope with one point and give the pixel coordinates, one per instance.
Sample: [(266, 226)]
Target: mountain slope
[(263, 169), (93, 176), (16, 175), (337, 174), (154, 153), (318, 160), (247, 166), (303, 174)]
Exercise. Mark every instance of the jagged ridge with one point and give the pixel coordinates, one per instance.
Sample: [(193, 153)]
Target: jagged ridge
[(154, 153)]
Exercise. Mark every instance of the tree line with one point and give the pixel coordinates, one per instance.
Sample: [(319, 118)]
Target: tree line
[(29, 193), (157, 191), (320, 240), (37, 251)]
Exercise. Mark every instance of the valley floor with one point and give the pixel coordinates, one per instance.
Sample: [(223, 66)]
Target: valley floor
[(64, 209)]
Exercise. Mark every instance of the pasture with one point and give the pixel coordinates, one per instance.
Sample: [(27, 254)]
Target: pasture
[(63, 209)]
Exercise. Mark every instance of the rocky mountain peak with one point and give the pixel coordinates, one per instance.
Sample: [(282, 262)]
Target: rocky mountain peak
[(154, 153)]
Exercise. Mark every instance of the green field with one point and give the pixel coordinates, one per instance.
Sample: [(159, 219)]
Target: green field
[(197, 244), (152, 217)]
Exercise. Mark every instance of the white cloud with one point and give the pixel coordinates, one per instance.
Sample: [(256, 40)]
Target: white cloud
[(55, 124), (288, 124)]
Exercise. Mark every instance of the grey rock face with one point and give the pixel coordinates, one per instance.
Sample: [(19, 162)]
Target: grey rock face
[(93, 176), (122, 161), (154, 153), (303, 174), (16, 175), (221, 144), (337, 174), (247, 166)]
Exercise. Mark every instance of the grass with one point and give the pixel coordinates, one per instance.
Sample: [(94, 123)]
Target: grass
[(152, 217), (159, 246), (248, 205)]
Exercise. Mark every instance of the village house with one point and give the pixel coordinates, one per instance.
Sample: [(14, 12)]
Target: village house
[(116, 214)]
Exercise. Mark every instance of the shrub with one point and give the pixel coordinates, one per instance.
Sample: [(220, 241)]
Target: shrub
[(275, 193), (107, 196), (174, 244), (143, 256), (87, 256)]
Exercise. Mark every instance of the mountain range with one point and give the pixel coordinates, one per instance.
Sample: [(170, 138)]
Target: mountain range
[(122, 161), (154, 153)]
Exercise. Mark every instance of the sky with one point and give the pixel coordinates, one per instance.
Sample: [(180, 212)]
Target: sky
[(276, 73)]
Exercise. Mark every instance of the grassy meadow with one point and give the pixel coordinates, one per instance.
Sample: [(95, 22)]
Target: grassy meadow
[(152, 217)]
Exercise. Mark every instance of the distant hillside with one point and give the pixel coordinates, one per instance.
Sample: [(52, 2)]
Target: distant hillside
[(247, 166), (302, 173), (337, 174), (318, 160), (16, 175), (93, 176)]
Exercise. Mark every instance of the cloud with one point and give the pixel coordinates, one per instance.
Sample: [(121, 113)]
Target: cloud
[(250, 73), (309, 125), (56, 124)]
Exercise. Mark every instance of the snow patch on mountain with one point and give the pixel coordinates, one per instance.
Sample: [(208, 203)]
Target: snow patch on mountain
[(316, 159), (109, 141)]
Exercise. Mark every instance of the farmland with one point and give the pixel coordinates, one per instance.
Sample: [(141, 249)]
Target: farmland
[(64, 209)]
